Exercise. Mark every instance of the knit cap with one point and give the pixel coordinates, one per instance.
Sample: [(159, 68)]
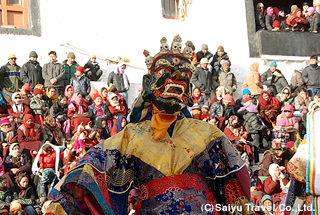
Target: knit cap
[(246, 91), (71, 55), (37, 91), (204, 47), (27, 87), (275, 24), (33, 54), (15, 206), (96, 96), (5, 121), (224, 62), (81, 69), (247, 99), (264, 198), (227, 98), (273, 63)]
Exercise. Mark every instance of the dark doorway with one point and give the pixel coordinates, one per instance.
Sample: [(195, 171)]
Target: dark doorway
[(282, 4)]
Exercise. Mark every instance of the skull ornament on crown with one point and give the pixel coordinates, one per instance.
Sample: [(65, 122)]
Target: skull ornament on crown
[(148, 60), (167, 86), (164, 47), (187, 51)]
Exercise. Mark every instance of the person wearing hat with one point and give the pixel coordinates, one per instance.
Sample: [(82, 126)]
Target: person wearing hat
[(70, 66), (258, 13), (98, 109), (310, 76), (203, 78), (267, 78), (315, 20), (81, 83), (305, 7), (31, 71), (218, 57), (222, 109), (25, 92), (267, 205), (246, 96), (92, 68), (204, 53), (10, 77), (226, 78), (276, 181)]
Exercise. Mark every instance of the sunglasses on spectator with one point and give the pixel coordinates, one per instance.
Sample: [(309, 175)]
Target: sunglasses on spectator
[(286, 111), (13, 58), (285, 93), (17, 97)]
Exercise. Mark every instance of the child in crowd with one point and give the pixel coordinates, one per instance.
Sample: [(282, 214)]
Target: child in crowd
[(25, 92), (7, 132), (205, 115), (115, 107), (44, 94), (279, 135), (39, 106), (68, 92), (92, 69), (81, 83), (52, 94), (121, 122), (18, 108), (102, 125), (103, 92)]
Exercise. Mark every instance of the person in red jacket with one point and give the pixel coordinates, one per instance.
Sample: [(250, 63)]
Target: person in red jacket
[(17, 108), (47, 158), (115, 107), (29, 134)]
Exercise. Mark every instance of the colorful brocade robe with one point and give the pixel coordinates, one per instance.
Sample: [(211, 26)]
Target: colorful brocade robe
[(192, 171)]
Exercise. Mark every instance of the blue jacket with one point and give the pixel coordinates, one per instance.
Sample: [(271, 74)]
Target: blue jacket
[(81, 85)]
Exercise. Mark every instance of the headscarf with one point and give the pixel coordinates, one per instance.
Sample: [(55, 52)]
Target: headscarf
[(93, 92), (264, 198), (269, 11), (223, 92), (118, 123), (66, 91), (296, 11), (76, 100), (195, 99), (121, 71), (1, 99), (100, 93), (291, 120), (272, 168), (9, 131), (30, 126), (16, 104), (63, 106), (271, 101), (104, 131), (2, 188), (254, 67), (53, 98), (232, 121), (22, 189), (110, 97), (287, 96), (14, 153), (53, 128)]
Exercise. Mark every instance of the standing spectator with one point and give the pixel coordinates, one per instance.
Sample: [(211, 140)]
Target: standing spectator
[(226, 78), (204, 53), (253, 81), (282, 20), (10, 77), (92, 69), (279, 81), (296, 80), (269, 18), (258, 13), (310, 76), (31, 72), (267, 78), (120, 80), (314, 20), (53, 73), (202, 78), (70, 66), (218, 57), (81, 83)]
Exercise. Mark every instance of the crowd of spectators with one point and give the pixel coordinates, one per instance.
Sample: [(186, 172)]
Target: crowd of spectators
[(306, 19)]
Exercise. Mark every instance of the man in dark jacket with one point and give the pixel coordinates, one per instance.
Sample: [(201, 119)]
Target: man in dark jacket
[(222, 108), (219, 55), (31, 72), (310, 76), (204, 53), (70, 67), (267, 78), (258, 13), (202, 78)]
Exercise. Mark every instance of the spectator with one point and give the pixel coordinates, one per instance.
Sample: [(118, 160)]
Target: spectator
[(5, 192), (53, 73), (8, 136), (198, 98), (285, 97), (202, 78), (276, 181), (120, 80), (310, 76), (296, 79), (226, 78), (18, 108), (115, 107), (68, 92), (3, 107), (240, 102), (222, 109), (220, 93), (276, 25), (122, 101), (59, 110), (279, 135), (282, 20), (297, 22), (267, 205), (193, 58), (314, 20), (258, 13), (218, 56), (44, 95), (101, 124), (205, 114), (204, 53), (70, 66), (246, 103), (269, 18), (98, 109), (51, 132), (92, 69), (51, 93), (80, 83), (10, 77), (103, 92), (234, 131), (271, 156), (119, 125), (39, 106), (269, 107), (287, 116), (279, 81), (31, 72), (305, 7), (253, 81), (25, 93), (267, 78), (302, 101)]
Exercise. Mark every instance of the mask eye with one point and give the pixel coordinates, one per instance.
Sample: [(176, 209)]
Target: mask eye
[(161, 71), (186, 73)]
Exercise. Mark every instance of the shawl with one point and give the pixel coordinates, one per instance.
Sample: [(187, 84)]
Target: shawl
[(52, 128), (28, 126), (66, 92), (16, 104), (100, 93), (195, 98), (22, 189), (118, 123), (291, 120), (78, 101), (287, 97), (265, 105), (104, 131), (53, 98), (269, 11), (121, 71)]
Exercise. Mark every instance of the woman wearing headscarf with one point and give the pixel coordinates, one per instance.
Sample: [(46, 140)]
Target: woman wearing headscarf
[(15, 164), (276, 181), (69, 91), (297, 22), (122, 101), (60, 110), (51, 132), (269, 18), (120, 80), (103, 92), (7, 135), (198, 101), (253, 81), (268, 108), (78, 111), (287, 116), (44, 95), (29, 134), (18, 108), (101, 124), (285, 97), (51, 92), (119, 125), (98, 109)]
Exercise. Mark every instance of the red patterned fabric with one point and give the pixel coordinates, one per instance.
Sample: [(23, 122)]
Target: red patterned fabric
[(233, 191)]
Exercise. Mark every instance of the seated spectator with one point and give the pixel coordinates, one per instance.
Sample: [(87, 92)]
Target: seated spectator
[(115, 107), (222, 109), (29, 134), (44, 95), (8, 136), (77, 111), (3, 107), (296, 80), (269, 19), (253, 81), (81, 83), (220, 93), (51, 132), (16, 208), (204, 53), (47, 157), (289, 119), (234, 131), (25, 194), (285, 97), (256, 129), (68, 92), (120, 80), (205, 115), (226, 78), (59, 110), (92, 69), (18, 108), (246, 103), (39, 106), (101, 124), (122, 101), (16, 164), (25, 93), (268, 108), (302, 101), (93, 92), (279, 135), (5, 193), (198, 101), (214, 121), (282, 20), (243, 155), (218, 56), (52, 94), (271, 156), (267, 205), (276, 181), (103, 92), (121, 122), (240, 102), (98, 109), (279, 81)]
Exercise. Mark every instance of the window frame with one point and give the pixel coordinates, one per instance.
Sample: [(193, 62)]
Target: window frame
[(173, 14), (6, 8)]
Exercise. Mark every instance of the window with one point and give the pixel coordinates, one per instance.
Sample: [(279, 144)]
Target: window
[(14, 13), (170, 9)]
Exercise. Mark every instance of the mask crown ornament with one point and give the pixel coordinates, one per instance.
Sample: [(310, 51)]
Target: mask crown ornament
[(187, 51), (164, 47), (176, 46), (148, 60)]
